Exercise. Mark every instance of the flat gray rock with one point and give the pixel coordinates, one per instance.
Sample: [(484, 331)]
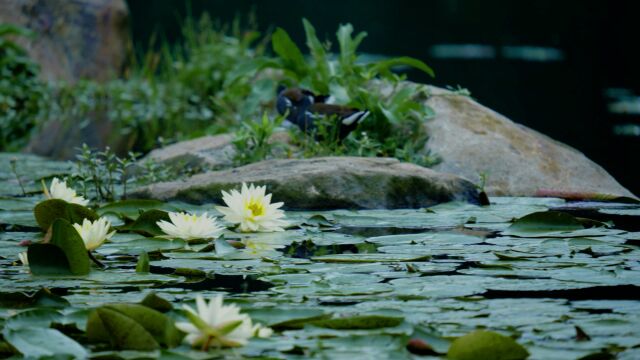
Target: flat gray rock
[(326, 183)]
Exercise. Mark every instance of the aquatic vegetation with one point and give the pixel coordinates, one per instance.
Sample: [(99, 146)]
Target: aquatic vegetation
[(252, 210), (380, 283)]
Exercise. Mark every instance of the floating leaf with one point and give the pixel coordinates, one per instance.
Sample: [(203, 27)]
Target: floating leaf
[(152, 300), (146, 223), (42, 342), (486, 345), (132, 327), (64, 254), (143, 263), (132, 208), (543, 222), (49, 210)]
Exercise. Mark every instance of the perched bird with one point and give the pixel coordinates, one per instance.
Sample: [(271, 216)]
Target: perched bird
[(304, 108)]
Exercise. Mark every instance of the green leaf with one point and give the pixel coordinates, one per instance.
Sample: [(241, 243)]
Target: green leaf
[(321, 72), (132, 208), (542, 222), (152, 300), (486, 345), (289, 52), (47, 259), (43, 342), (143, 263), (358, 322), (122, 332), (146, 223), (404, 60), (49, 210), (348, 45), (105, 322), (64, 254)]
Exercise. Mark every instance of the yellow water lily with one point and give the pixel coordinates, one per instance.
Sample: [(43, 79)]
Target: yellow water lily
[(252, 209), (60, 190), (218, 325), (94, 233), (190, 227)]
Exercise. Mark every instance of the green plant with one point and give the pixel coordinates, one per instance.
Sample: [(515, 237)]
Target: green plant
[(22, 95), (397, 111), (253, 140)]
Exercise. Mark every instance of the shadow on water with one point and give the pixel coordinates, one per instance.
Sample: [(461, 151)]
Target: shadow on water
[(372, 231), (307, 249), (230, 283)]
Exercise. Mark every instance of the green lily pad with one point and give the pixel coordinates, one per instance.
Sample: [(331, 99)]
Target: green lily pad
[(64, 254), (48, 211), (132, 208), (132, 327), (486, 345), (35, 342)]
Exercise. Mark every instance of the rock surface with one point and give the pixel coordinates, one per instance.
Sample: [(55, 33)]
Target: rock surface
[(208, 152), (326, 183), (74, 39), (518, 161)]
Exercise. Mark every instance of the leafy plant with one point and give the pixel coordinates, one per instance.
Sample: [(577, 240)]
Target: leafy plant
[(22, 94), (397, 111), (253, 140)]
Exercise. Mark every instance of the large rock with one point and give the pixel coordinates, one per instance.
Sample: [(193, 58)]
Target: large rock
[(326, 183), (206, 152), (472, 139), (74, 39)]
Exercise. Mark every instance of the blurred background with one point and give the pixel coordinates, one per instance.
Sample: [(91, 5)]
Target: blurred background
[(568, 69)]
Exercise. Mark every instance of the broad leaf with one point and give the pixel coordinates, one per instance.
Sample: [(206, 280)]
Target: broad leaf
[(486, 345)]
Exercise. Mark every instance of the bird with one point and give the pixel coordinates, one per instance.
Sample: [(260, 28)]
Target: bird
[(304, 108)]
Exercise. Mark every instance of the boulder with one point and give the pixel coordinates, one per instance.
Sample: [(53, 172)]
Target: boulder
[(518, 161), (326, 183), (73, 39), (206, 152)]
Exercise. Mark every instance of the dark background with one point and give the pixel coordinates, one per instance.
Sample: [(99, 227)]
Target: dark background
[(586, 60)]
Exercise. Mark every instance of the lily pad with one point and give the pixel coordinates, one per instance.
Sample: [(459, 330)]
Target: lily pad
[(48, 211), (486, 345)]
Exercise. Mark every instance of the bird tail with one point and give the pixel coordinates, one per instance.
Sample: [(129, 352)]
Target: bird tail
[(356, 117)]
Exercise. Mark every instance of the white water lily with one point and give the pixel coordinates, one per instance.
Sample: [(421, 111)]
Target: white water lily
[(252, 209), (94, 233), (219, 325), (190, 227), (60, 190), (24, 259)]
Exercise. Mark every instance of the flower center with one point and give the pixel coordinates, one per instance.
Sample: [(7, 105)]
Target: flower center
[(256, 208)]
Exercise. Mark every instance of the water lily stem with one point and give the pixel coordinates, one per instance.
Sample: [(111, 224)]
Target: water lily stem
[(96, 261), (205, 346)]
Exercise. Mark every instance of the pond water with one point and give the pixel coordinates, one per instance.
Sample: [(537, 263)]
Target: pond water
[(433, 274)]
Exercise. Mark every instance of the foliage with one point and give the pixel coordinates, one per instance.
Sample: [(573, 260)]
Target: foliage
[(22, 94), (178, 92), (394, 127), (104, 176), (253, 140)]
